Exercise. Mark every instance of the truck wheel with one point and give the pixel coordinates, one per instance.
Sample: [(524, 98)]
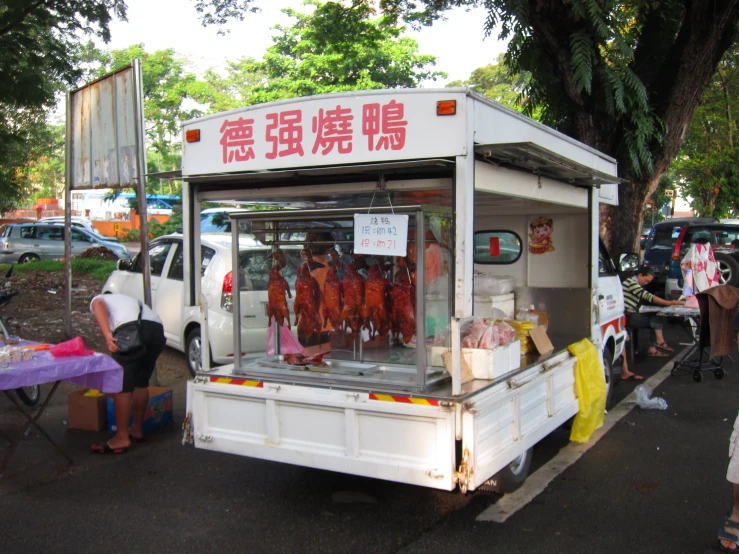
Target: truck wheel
[(608, 374), (193, 352), (728, 269), (512, 476)]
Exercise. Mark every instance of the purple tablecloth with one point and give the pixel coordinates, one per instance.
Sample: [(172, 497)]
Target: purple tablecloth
[(97, 371)]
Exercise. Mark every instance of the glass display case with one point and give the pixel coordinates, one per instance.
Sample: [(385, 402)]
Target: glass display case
[(336, 314)]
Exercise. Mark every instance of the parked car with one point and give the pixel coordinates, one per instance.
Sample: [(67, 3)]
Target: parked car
[(26, 242), (77, 222), (660, 245), (724, 239), (645, 230), (182, 325), (217, 220)]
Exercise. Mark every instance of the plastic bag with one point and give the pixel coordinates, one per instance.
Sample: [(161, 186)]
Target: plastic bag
[(643, 394), (506, 333), (590, 386), (489, 338), (289, 343), (74, 347), (492, 285), (472, 331)]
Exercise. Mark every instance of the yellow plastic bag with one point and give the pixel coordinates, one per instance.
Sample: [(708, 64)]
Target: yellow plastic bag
[(590, 385), (93, 393)]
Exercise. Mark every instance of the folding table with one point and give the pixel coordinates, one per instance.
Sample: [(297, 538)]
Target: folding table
[(96, 371), (699, 334)]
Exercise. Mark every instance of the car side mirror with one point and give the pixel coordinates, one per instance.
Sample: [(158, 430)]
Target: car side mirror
[(628, 262), (124, 265)]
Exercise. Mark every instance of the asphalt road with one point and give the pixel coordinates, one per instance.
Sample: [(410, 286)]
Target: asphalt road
[(654, 483)]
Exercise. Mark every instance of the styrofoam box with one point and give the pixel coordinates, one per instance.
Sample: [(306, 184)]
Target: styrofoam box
[(491, 364), (504, 302), (485, 364)]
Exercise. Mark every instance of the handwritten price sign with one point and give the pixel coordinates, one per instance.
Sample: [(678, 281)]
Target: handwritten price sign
[(381, 234)]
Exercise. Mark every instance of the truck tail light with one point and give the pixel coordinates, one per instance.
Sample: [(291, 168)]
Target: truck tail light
[(192, 135), (446, 107), (227, 292)]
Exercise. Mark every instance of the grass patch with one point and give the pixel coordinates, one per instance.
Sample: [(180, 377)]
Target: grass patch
[(95, 269)]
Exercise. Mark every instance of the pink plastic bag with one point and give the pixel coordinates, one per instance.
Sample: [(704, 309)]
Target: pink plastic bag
[(288, 342), (74, 347)]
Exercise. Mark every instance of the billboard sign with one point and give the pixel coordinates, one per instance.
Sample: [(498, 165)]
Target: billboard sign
[(103, 132)]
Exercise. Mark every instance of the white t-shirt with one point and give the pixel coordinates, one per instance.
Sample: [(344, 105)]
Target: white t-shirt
[(122, 309)]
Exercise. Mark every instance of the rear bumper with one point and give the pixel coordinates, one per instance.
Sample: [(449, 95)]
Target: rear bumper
[(673, 290)]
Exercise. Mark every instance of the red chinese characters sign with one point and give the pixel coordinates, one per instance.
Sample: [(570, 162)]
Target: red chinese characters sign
[(332, 132)]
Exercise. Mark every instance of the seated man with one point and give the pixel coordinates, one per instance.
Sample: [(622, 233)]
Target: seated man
[(634, 296)]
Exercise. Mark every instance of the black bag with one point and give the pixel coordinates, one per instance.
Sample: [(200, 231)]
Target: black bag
[(128, 336)]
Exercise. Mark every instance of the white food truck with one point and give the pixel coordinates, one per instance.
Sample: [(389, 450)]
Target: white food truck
[(434, 200)]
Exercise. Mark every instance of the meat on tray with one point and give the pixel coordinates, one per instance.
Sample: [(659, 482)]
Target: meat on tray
[(300, 359)]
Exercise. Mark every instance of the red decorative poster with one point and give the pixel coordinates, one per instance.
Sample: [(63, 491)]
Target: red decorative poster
[(494, 246), (540, 236)]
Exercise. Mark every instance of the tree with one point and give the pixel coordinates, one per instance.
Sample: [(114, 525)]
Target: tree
[(707, 166), (498, 83), (233, 90), (39, 50), (338, 48), (622, 77), (46, 168), (167, 84)]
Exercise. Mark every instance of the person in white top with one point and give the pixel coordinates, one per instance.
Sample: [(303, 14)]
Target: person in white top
[(111, 311)]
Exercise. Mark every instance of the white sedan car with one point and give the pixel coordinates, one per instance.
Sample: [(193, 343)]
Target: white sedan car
[(182, 325)]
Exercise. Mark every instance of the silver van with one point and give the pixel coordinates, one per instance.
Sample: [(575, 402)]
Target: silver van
[(26, 242)]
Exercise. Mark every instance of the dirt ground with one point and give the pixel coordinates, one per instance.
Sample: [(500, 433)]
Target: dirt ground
[(37, 313)]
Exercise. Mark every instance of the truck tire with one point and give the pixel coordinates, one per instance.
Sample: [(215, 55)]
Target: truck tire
[(608, 374), (193, 352), (512, 476), (728, 269)]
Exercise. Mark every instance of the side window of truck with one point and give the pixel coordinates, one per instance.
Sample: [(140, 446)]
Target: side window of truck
[(605, 265), (497, 247)]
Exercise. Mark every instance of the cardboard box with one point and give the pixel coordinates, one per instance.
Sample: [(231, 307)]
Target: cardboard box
[(158, 413), (86, 412)]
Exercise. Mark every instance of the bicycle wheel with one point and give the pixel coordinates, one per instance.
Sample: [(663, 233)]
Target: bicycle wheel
[(30, 396)]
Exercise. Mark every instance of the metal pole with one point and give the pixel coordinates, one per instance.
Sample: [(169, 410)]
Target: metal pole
[(67, 220), (420, 247), (141, 174), (236, 294)]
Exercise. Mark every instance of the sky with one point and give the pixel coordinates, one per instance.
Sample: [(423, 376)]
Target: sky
[(457, 43)]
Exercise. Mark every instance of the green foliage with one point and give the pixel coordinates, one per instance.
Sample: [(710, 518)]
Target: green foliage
[(130, 235), (708, 164), (337, 48), (498, 83), (46, 168), (39, 57), (167, 82), (95, 269), (233, 90), (172, 225)]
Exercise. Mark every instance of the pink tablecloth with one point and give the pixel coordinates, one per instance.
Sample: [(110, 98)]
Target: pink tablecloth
[(97, 371)]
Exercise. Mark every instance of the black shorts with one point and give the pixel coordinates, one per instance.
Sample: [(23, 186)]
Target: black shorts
[(137, 372)]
